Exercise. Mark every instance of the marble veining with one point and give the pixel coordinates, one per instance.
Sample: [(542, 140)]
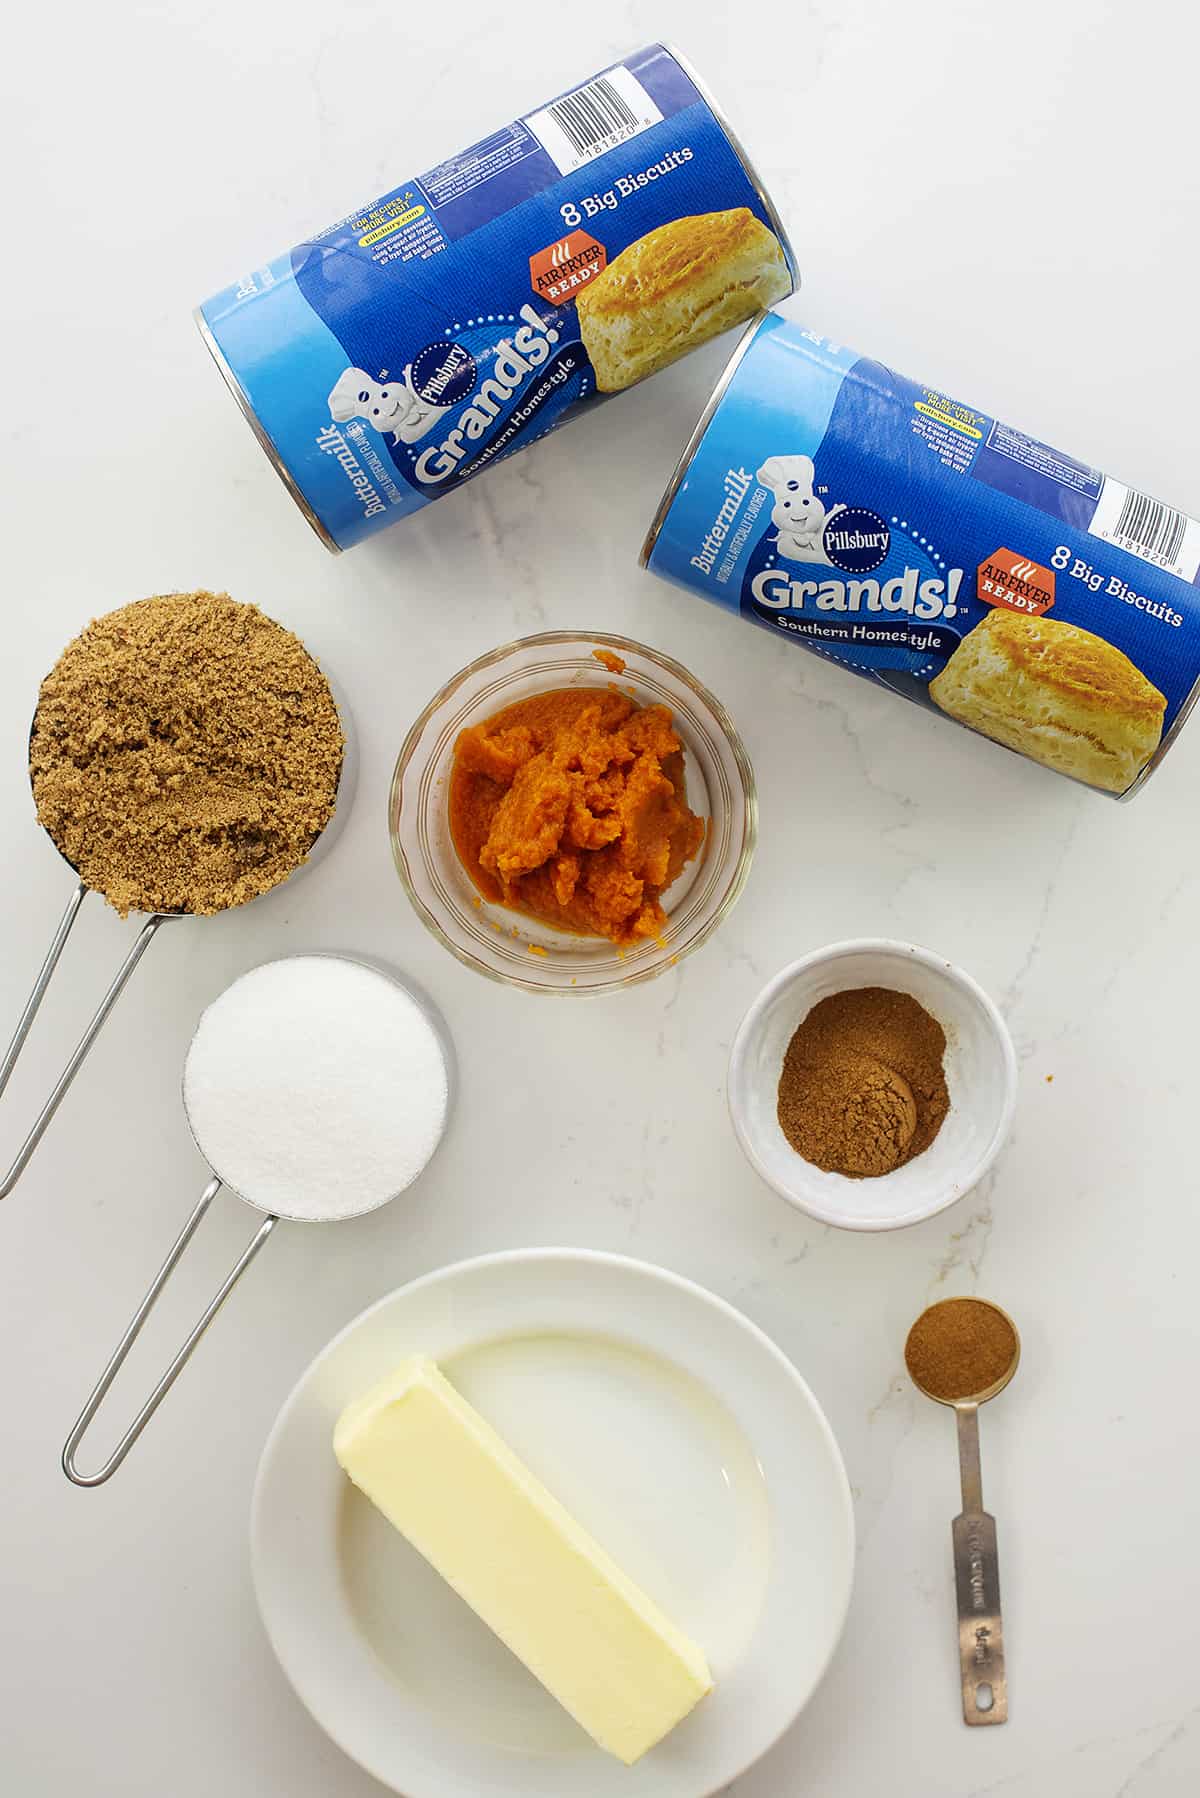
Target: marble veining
[(993, 202)]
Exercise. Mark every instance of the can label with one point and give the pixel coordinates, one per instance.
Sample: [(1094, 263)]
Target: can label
[(924, 544), (466, 313)]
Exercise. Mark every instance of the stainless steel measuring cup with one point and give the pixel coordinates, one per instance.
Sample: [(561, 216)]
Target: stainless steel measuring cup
[(203, 1044), (142, 941)]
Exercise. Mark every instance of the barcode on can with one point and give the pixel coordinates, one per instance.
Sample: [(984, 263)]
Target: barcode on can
[(1149, 528), (593, 119)]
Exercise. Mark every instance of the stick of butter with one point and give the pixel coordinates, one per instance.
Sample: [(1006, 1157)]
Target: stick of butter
[(440, 1473)]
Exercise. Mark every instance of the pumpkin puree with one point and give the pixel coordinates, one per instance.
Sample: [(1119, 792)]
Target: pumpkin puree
[(571, 806)]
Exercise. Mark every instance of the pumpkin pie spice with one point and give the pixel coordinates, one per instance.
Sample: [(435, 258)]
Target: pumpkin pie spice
[(863, 1089), (959, 1348)]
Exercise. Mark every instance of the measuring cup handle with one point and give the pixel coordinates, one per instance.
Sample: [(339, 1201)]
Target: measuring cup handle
[(57, 944), (131, 1335), (25, 1021)]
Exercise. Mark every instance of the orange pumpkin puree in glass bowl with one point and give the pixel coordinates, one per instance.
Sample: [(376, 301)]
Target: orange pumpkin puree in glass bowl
[(571, 806)]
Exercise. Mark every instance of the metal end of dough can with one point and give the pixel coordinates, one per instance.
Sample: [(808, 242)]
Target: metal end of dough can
[(693, 443), (251, 417)]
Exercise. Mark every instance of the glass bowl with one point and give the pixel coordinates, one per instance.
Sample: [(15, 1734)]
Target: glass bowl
[(522, 951)]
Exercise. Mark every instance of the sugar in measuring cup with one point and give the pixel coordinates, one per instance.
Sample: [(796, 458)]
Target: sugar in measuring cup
[(317, 1089), (962, 1352), (263, 671)]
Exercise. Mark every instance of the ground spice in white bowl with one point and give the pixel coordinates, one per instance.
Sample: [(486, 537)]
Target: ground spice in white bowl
[(863, 1087), (971, 1046)]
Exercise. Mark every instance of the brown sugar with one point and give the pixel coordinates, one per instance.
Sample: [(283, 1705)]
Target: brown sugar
[(185, 754), (960, 1348), (863, 1090), (571, 806)]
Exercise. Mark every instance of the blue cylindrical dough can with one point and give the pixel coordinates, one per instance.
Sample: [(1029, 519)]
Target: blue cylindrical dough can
[(574, 251), (941, 553)]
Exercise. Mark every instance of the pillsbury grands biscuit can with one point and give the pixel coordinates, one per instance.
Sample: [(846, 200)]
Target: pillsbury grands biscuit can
[(933, 549), (389, 359)]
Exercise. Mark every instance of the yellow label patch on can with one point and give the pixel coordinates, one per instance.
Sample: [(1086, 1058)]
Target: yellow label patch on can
[(403, 218), (947, 418)]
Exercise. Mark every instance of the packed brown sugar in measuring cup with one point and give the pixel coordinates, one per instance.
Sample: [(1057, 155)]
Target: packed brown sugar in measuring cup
[(571, 806), (863, 1089), (185, 754)]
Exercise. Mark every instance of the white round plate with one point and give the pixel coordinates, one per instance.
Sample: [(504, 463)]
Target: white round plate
[(672, 1428)]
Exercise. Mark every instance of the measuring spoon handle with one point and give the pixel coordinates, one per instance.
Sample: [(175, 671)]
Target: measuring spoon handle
[(117, 1358), (977, 1587)]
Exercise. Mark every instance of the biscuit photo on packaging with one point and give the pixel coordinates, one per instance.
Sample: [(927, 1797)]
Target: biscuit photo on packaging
[(1056, 693), (675, 288)]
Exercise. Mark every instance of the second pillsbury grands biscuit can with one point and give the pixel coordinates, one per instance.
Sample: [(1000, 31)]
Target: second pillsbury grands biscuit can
[(923, 544), (387, 360)]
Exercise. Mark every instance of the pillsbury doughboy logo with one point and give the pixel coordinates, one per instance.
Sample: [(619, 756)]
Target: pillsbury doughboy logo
[(890, 611), (799, 514), (443, 373), (858, 540), (852, 538), (511, 369), (392, 407)]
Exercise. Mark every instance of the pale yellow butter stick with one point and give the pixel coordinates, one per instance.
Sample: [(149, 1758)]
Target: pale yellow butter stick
[(440, 1473)]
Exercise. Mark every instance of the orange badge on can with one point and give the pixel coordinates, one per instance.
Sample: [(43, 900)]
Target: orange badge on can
[(1012, 580), (559, 271)]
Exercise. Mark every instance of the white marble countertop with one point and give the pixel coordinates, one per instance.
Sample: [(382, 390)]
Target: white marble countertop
[(1001, 200)]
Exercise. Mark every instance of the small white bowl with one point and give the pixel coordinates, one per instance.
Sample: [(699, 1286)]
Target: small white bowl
[(981, 1073)]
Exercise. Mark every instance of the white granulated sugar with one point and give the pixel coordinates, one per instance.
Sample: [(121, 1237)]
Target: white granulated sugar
[(316, 1087)]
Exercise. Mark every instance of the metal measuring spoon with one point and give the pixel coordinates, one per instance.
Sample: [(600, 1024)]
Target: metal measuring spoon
[(215, 1035), (342, 798), (976, 1567)]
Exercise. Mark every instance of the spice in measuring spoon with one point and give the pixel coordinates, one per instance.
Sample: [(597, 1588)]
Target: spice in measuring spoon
[(962, 1352), (960, 1348)]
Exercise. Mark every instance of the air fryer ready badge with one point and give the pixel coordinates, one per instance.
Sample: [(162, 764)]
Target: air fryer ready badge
[(941, 553), (464, 315)]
